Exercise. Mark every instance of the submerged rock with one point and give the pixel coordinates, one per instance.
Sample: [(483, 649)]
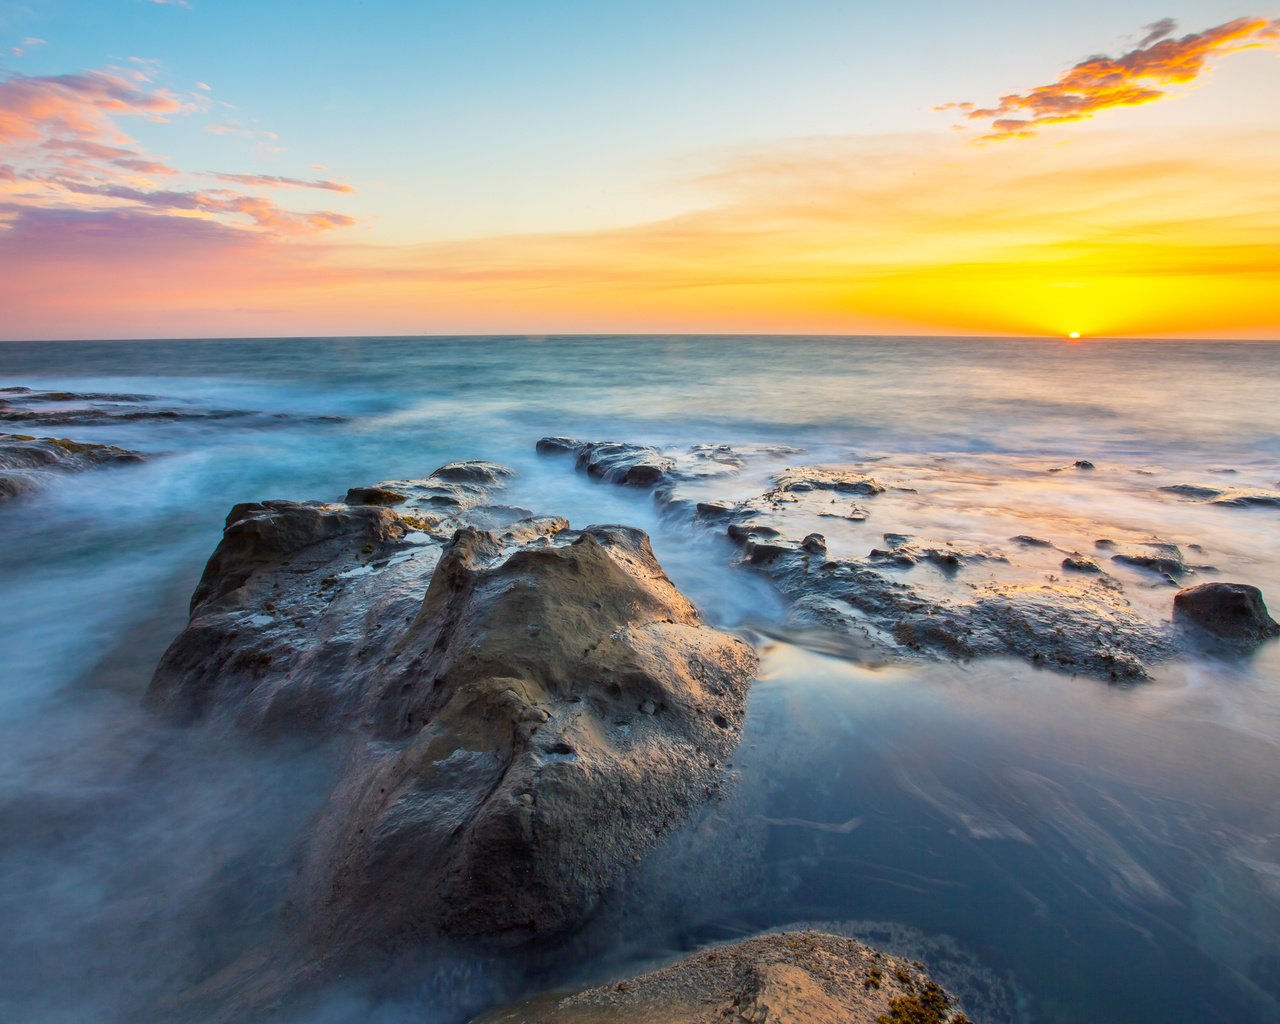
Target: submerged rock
[(26, 461), (68, 408), (1232, 497), (1234, 612), (782, 978), (523, 733)]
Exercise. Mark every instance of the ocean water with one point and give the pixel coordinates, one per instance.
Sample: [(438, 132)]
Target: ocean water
[(1078, 851)]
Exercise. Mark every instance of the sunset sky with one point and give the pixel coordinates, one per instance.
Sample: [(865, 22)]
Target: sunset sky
[(223, 168)]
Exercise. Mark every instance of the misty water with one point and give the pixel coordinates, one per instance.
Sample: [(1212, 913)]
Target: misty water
[(1067, 849)]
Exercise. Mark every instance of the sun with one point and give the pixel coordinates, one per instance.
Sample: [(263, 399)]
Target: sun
[(1074, 335)]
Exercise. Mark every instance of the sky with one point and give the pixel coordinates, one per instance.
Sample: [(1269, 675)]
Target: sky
[(210, 168)]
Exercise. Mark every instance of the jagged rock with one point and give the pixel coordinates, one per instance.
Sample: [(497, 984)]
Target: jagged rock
[(26, 461), (1234, 612), (551, 712), (1078, 563), (1032, 542), (782, 978), (632, 464), (540, 719)]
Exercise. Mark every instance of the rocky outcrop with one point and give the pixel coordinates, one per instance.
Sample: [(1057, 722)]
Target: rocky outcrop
[(79, 409), (26, 461), (557, 708), (782, 978), (879, 609), (523, 733), (1234, 613)]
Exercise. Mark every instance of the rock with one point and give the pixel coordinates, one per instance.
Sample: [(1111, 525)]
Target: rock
[(781, 978), (1078, 563), (374, 496), (1083, 464), (1165, 559), (66, 408), (504, 797), (473, 471), (843, 479), (1031, 542), (1234, 612), (815, 544), (548, 712), (615, 461), (26, 461), (1193, 490), (1232, 497)]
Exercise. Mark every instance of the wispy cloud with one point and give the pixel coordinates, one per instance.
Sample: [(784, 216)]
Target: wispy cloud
[(1142, 75), (277, 181), (66, 147)]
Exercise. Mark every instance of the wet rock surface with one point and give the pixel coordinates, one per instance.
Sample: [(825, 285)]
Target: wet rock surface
[(31, 407), (783, 978), (521, 735), (908, 597), (1231, 612), (26, 462), (1231, 497)]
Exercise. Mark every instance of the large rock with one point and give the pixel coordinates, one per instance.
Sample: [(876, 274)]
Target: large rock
[(26, 461), (298, 597), (1234, 612), (523, 734), (783, 978), (556, 709)]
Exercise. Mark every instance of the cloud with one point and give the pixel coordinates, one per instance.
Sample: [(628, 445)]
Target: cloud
[(1143, 75), (275, 181), (78, 105), (65, 147), (1156, 31), (232, 128)]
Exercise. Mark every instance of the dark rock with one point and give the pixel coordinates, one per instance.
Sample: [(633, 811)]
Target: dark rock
[(374, 496), (614, 461), (26, 461), (1192, 490), (1083, 464), (1234, 612), (1078, 563), (815, 544), (1032, 542), (1232, 497), (1165, 559)]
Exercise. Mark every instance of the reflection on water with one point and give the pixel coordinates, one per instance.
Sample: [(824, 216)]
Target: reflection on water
[(1111, 854)]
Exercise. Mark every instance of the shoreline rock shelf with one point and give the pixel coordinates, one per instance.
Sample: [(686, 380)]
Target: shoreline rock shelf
[(521, 736), (1083, 624)]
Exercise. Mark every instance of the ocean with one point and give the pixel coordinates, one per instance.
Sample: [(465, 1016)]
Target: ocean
[(1066, 848)]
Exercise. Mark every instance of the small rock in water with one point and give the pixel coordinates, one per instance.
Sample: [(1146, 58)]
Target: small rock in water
[(1227, 611)]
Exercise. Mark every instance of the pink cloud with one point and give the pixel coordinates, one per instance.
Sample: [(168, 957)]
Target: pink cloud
[(1143, 75), (65, 146), (275, 181)]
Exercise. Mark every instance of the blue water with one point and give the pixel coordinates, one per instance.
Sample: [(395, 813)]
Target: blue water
[(1110, 855)]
